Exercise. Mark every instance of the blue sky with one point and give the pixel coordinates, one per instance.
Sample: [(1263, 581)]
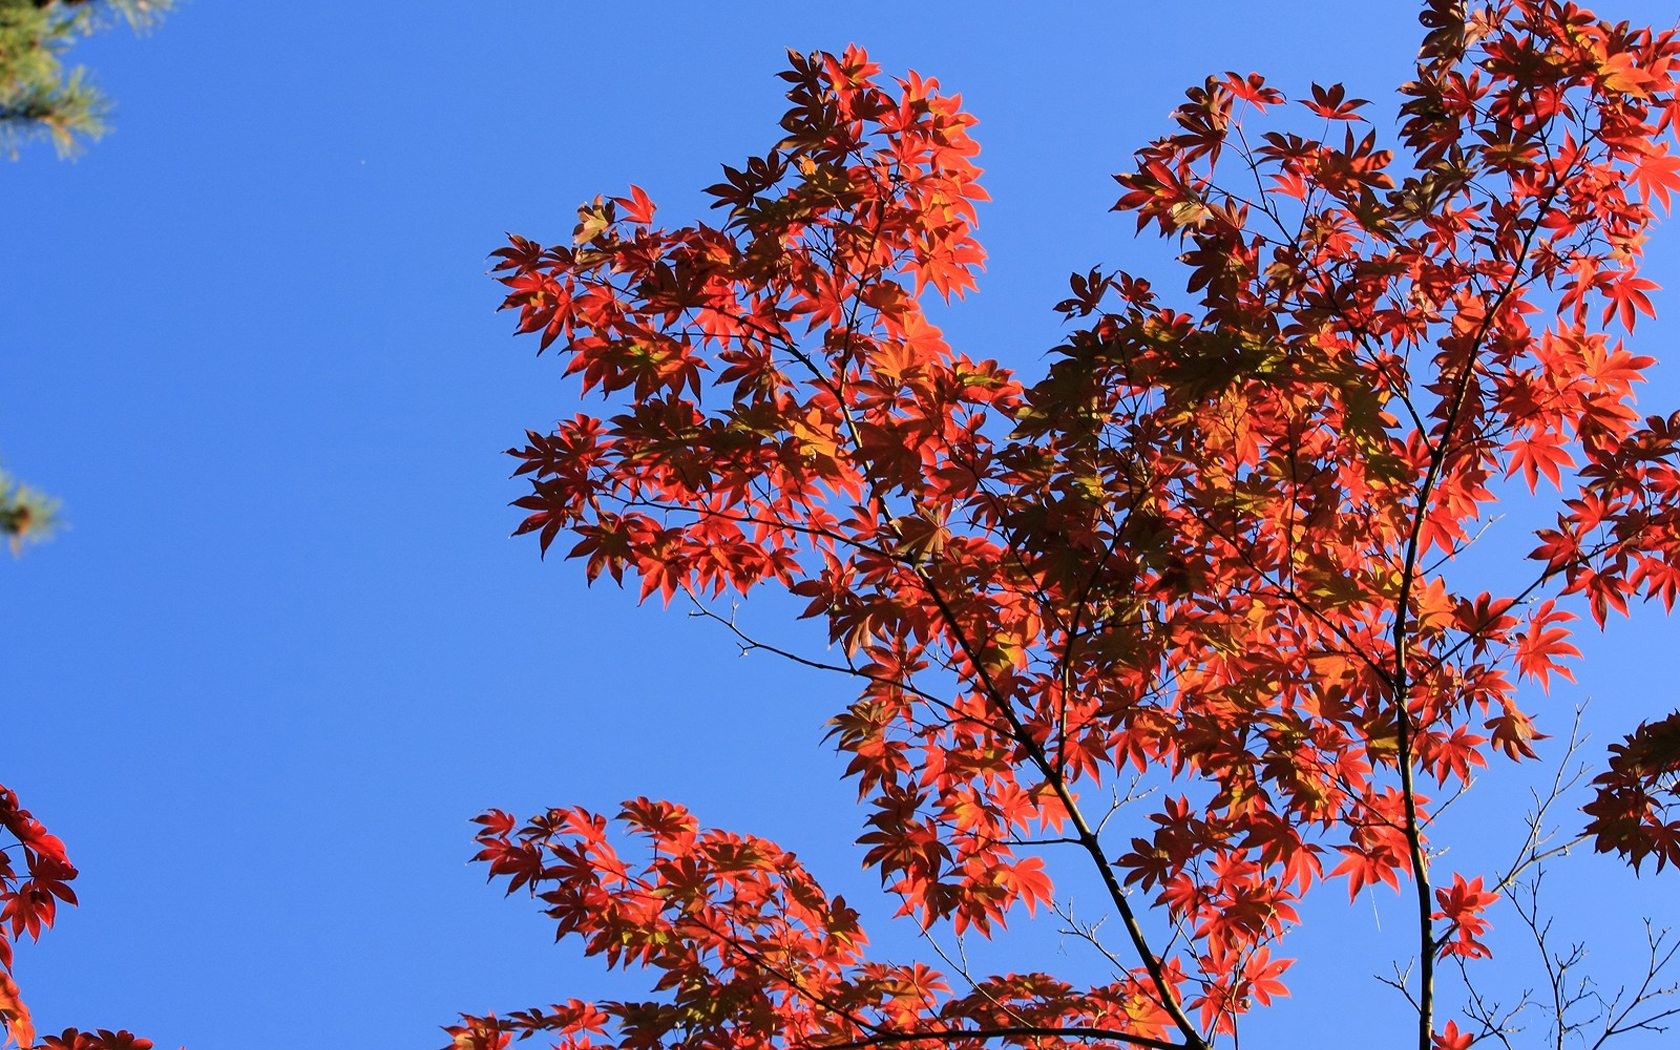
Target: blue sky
[(286, 648)]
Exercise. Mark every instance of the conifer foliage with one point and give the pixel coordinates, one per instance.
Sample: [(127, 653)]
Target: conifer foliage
[(1215, 543), (38, 96), (26, 516)]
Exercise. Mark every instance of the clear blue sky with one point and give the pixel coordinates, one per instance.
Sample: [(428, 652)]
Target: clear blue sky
[(286, 648)]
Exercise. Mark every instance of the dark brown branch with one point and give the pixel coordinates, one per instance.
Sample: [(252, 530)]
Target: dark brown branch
[(953, 1035), (1401, 683), (1018, 730)]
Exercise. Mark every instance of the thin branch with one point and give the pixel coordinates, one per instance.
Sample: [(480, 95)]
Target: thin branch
[(955, 1035)]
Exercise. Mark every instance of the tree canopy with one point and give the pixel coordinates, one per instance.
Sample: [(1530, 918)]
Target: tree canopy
[(1222, 544)]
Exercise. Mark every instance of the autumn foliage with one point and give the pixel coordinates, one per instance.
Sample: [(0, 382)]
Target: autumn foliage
[(1216, 542), (1634, 794), (35, 877)]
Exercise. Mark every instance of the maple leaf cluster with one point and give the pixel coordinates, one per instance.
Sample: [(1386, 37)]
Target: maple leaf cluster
[(1637, 794), (29, 899), (1213, 543)]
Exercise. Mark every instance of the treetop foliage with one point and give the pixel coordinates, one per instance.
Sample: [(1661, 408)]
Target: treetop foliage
[(1216, 541)]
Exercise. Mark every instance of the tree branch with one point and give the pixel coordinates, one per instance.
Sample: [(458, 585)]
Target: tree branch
[(954, 1035)]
